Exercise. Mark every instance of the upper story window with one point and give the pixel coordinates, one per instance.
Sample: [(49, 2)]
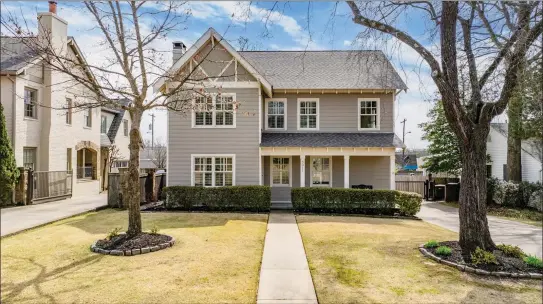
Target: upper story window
[(213, 171), (69, 105), (87, 118), (276, 114), (215, 110), (368, 111), (125, 127), (308, 113), (103, 125), (31, 100)]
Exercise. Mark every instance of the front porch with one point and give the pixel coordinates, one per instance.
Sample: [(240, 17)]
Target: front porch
[(284, 168)]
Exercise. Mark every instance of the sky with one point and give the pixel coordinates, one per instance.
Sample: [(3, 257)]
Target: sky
[(291, 26)]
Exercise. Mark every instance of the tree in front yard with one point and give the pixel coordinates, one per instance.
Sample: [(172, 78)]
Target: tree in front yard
[(8, 168), (455, 44), (443, 150)]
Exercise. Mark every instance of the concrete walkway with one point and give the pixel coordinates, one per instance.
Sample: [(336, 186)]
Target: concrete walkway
[(284, 275), (16, 219), (527, 237)]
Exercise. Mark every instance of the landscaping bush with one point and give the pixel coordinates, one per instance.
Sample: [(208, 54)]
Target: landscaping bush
[(536, 200), (431, 244), (514, 195), (363, 201), (491, 185), (443, 250), (506, 194), (513, 251), (525, 191), (534, 262), (233, 198), (482, 257)]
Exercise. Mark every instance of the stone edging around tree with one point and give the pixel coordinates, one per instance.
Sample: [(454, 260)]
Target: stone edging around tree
[(143, 250), (468, 269)]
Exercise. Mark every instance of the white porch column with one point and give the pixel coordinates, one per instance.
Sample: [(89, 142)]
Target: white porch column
[(302, 170), (392, 172), (346, 159)]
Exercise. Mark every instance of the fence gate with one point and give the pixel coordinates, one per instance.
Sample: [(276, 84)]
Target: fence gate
[(50, 185)]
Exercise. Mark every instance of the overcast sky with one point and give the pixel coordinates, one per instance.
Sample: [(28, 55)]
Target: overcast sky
[(288, 30)]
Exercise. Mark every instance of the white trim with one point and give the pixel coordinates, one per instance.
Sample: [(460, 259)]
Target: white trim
[(346, 170), (260, 115), (289, 171), (284, 100), (332, 151), (302, 170), (392, 173), (311, 170), (260, 175), (378, 119), (168, 150), (219, 84), (193, 156), (299, 100), (214, 113)]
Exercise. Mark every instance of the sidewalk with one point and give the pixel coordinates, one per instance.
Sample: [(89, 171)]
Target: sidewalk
[(20, 218), (284, 275)]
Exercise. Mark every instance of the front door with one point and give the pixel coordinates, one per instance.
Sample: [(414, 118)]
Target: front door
[(280, 178)]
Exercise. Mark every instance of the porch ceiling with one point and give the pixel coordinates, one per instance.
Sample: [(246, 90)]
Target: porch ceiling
[(326, 140)]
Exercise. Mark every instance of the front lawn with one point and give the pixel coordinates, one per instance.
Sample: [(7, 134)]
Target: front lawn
[(216, 258), (527, 216), (368, 260)]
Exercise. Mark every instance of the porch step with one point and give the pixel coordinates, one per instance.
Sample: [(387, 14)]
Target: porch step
[(281, 205)]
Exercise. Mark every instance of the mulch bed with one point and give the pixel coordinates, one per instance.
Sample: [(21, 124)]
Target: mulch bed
[(123, 242), (505, 263)]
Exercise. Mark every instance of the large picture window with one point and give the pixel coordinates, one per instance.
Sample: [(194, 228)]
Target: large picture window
[(308, 113), (321, 171), (215, 110), (368, 111), (213, 171), (276, 113)]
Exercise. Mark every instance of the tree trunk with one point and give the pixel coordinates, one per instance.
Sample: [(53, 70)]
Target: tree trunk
[(134, 195), (473, 222), (514, 142)]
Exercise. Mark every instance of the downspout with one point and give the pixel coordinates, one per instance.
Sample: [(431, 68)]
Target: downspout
[(13, 111)]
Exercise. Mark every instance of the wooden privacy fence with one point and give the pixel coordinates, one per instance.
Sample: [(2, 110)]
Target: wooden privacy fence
[(411, 183), (47, 185), (115, 188)]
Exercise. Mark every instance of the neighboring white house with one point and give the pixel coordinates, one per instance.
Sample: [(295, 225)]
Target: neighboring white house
[(45, 139), (531, 155)]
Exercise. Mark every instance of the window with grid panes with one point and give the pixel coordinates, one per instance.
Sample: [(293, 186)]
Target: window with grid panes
[(213, 171), (276, 114), (224, 110), (30, 100), (369, 114), (203, 111), (308, 114)]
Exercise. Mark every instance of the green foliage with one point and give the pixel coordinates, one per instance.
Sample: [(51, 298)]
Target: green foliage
[(234, 198), (534, 261), (530, 91), (525, 192), (443, 250), (8, 168), (512, 194), (154, 230), (482, 257), (113, 233), (444, 149), (491, 186), (431, 244), (341, 200), (513, 251)]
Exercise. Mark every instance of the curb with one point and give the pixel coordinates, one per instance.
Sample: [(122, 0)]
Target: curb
[(468, 269), (132, 252)]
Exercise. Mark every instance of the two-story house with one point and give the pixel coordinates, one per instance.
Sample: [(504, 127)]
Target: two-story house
[(283, 118), (44, 137)]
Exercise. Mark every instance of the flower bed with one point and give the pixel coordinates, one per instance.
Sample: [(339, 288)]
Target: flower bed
[(143, 243)]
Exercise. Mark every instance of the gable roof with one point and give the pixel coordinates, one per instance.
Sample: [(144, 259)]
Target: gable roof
[(193, 50), (326, 69), (531, 146), (14, 55)]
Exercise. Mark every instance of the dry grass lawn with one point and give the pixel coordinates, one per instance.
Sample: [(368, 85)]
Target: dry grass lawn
[(216, 258), (368, 260)]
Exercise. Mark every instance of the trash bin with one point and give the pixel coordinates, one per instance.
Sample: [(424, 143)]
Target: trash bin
[(452, 192), (439, 192)]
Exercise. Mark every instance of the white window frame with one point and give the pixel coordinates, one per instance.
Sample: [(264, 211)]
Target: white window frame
[(311, 171), (103, 124), (284, 101), (125, 127), (289, 171), (34, 106), (87, 122), (300, 100), (358, 115), (69, 104), (214, 112), (35, 151), (213, 156)]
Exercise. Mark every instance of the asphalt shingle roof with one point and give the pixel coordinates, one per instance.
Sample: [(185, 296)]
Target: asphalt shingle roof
[(380, 140), (14, 54), (325, 69)]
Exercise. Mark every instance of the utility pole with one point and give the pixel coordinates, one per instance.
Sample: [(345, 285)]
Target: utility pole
[(152, 127), (403, 141)]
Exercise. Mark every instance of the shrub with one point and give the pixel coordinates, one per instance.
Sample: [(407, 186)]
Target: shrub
[(491, 186), (431, 244), (154, 230), (408, 202), (525, 191), (507, 194), (510, 250), (536, 200), (443, 250), (534, 262), (113, 233), (233, 198), (482, 257)]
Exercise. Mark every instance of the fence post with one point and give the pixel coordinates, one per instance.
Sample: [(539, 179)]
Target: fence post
[(29, 187), (150, 191)]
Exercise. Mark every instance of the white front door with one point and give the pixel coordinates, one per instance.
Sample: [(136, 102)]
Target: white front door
[(321, 171), (280, 171)]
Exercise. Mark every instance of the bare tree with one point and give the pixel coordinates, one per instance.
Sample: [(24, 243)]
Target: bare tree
[(157, 152), (464, 47), (132, 59), (113, 154)]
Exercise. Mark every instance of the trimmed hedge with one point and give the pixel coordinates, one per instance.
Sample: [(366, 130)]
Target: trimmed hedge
[(234, 198), (342, 200)]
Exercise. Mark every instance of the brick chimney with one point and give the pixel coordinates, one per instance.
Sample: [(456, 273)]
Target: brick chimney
[(53, 7)]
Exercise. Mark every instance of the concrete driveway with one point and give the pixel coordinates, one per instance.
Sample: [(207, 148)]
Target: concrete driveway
[(16, 219), (527, 237)]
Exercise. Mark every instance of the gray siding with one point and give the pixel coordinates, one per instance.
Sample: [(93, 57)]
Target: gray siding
[(338, 112), (183, 140)]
